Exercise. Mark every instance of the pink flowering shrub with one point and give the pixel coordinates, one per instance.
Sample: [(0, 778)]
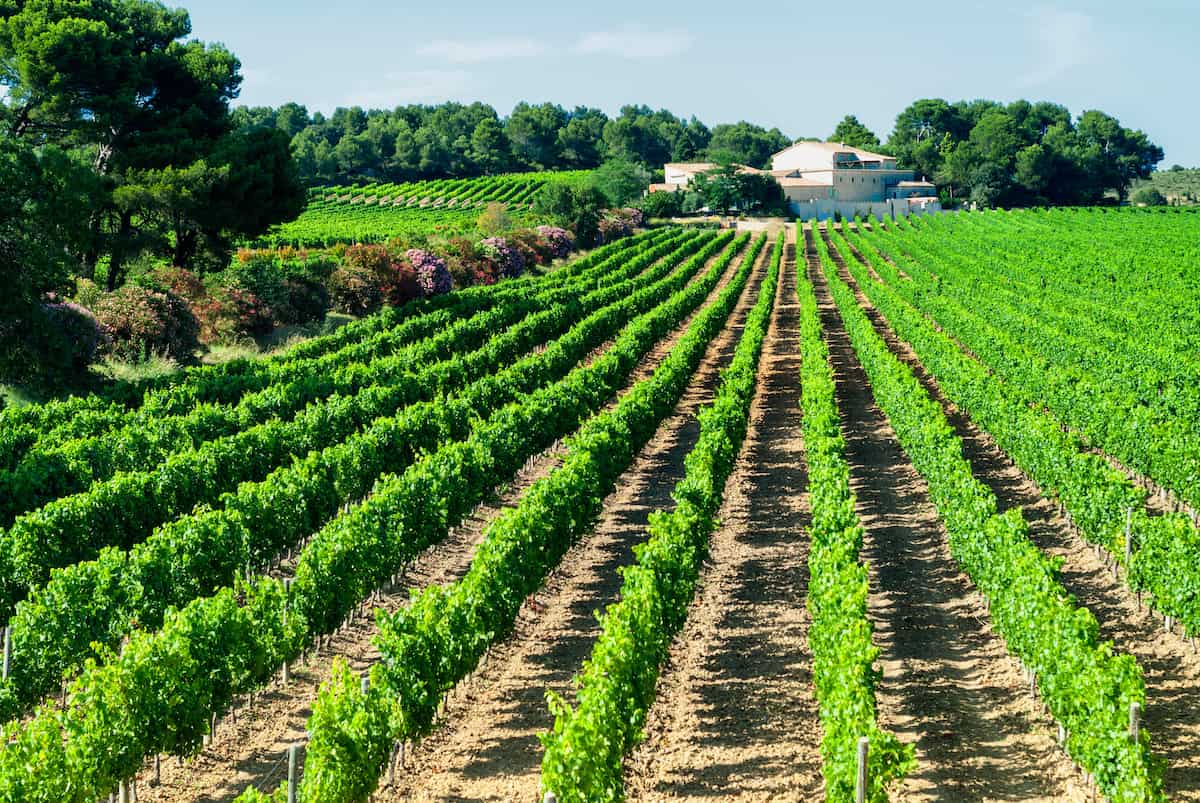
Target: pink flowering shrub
[(141, 322), (432, 273), (230, 312)]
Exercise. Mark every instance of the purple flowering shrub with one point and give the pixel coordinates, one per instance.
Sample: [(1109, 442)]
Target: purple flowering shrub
[(507, 259), (559, 242), (612, 229), (432, 273)]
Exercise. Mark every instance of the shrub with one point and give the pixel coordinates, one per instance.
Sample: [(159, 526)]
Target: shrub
[(75, 338), (355, 290), (612, 229), (507, 259), (370, 258), (87, 293), (531, 248), (180, 281), (140, 322), (662, 204), (494, 219), (307, 300), (433, 274), (401, 284), (559, 242), (632, 215), (229, 313), (1148, 196)]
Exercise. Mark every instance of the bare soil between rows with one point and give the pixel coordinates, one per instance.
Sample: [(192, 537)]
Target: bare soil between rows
[(252, 750), (1170, 664), (488, 748), (735, 717), (947, 683)]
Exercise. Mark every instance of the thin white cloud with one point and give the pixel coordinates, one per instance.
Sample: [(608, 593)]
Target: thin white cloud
[(414, 86), (1063, 40), (466, 51), (634, 43)]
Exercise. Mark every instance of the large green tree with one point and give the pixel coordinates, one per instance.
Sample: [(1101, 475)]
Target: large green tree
[(1023, 153), (43, 215), (853, 133), (120, 83), (745, 143)]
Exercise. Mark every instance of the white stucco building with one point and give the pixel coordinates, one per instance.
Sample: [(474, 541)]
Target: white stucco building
[(821, 178)]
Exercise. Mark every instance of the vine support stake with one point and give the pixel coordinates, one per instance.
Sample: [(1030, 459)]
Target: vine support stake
[(293, 763), (157, 770), (860, 782), (1135, 720), (1128, 537), (7, 650)]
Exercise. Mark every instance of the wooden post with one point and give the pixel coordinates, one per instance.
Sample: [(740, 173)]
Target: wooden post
[(366, 684), (293, 763), (157, 770), (7, 651), (1128, 537), (123, 792), (860, 783), (1135, 720)]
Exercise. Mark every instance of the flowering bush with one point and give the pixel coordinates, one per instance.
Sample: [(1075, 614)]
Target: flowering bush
[(613, 229), (355, 290), (140, 322), (507, 260), (635, 217), (559, 242), (229, 313), (433, 275), (400, 285), (183, 283), (530, 246), (370, 258)]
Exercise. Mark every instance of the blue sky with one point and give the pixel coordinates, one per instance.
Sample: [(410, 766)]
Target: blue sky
[(799, 66)]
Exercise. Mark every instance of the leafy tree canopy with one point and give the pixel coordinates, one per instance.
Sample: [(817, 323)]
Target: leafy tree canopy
[(853, 133)]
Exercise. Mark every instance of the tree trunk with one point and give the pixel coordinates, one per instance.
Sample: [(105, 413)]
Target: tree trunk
[(185, 247), (116, 273)]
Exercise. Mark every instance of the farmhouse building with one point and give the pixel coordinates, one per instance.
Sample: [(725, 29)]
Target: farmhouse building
[(820, 179)]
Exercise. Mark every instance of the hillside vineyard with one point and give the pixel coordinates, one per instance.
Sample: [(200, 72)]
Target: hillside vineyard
[(866, 510)]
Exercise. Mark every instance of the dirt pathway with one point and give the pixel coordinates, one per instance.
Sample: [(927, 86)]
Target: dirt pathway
[(488, 748), (948, 685), (249, 750), (735, 717), (1170, 664)]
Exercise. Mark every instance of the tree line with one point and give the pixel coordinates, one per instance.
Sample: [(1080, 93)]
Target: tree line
[(463, 140), (993, 154)]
